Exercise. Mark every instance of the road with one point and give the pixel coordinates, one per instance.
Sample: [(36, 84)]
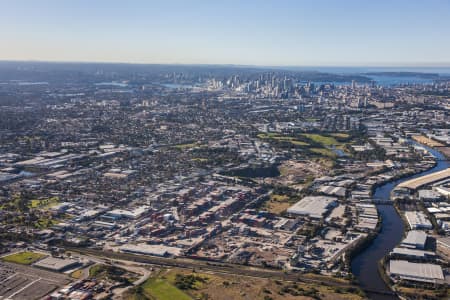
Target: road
[(124, 264)]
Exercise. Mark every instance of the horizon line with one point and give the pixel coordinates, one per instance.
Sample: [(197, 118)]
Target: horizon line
[(369, 65)]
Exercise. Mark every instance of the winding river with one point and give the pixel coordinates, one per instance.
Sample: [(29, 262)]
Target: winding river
[(365, 264)]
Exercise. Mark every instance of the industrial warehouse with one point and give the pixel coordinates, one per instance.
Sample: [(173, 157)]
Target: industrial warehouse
[(313, 207), (402, 269)]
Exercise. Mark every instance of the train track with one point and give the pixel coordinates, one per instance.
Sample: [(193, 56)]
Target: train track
[(213, 267)]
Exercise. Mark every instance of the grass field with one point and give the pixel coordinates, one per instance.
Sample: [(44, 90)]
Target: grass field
[(186, 146), (44, 223), (77, 274), (299, 143), (419, 293), (340, 135), (199, 159), (323, 152), (321, 139), (43, 203), (277, 204), (23, 258), (159, 289), (318, 145)]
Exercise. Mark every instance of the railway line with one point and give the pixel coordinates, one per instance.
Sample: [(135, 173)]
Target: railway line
[(210, 266)]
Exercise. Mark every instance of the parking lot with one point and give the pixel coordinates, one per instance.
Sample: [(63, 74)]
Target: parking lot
[(23, 282)]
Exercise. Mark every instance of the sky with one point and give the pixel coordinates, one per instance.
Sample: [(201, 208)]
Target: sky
[(245, 32)]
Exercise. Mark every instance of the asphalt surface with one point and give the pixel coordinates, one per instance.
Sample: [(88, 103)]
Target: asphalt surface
[(25, 282)]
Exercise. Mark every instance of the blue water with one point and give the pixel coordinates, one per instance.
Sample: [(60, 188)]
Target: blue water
[(381, 80), (339, 152), (118, 84), (30, 83), (385, 81), (397, 80), (358, 70), (177, 86)]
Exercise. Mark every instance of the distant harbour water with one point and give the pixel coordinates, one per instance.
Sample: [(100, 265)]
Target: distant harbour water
[(177, 86), (359, 70), (116, 84), (397, 80), (383, 80)]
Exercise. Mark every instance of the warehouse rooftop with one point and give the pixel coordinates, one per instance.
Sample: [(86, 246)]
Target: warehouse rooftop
[(415, 183), (312, 206), (416, 271)]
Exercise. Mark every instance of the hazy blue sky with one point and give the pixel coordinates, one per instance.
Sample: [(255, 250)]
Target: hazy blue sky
[(271, 32)]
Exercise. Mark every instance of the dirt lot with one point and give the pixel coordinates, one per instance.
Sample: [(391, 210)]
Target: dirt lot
[(278, 204), (427, 141), (296, 173)]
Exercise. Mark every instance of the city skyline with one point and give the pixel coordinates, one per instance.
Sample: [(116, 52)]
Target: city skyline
[(290, 33)]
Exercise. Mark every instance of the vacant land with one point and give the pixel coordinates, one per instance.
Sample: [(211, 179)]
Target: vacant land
[(159, 288), (195, 285), (297, 174), (77, 274), (101, 271), (278, 203), (23, 258), (427, 141), (43, 203), (418, 293)]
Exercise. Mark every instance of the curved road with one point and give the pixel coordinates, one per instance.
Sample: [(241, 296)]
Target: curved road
[(365, 265)]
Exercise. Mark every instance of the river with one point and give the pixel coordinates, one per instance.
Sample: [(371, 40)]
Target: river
[(365, 265)]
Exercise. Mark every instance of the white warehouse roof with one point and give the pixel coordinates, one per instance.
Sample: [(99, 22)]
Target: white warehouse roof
[(417, 220), (56, 264), (415, 238), (313, 206), (416, 271), (157, 250)]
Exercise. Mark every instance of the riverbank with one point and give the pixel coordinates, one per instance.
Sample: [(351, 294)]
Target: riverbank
[(363, 244), (365, 265)]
